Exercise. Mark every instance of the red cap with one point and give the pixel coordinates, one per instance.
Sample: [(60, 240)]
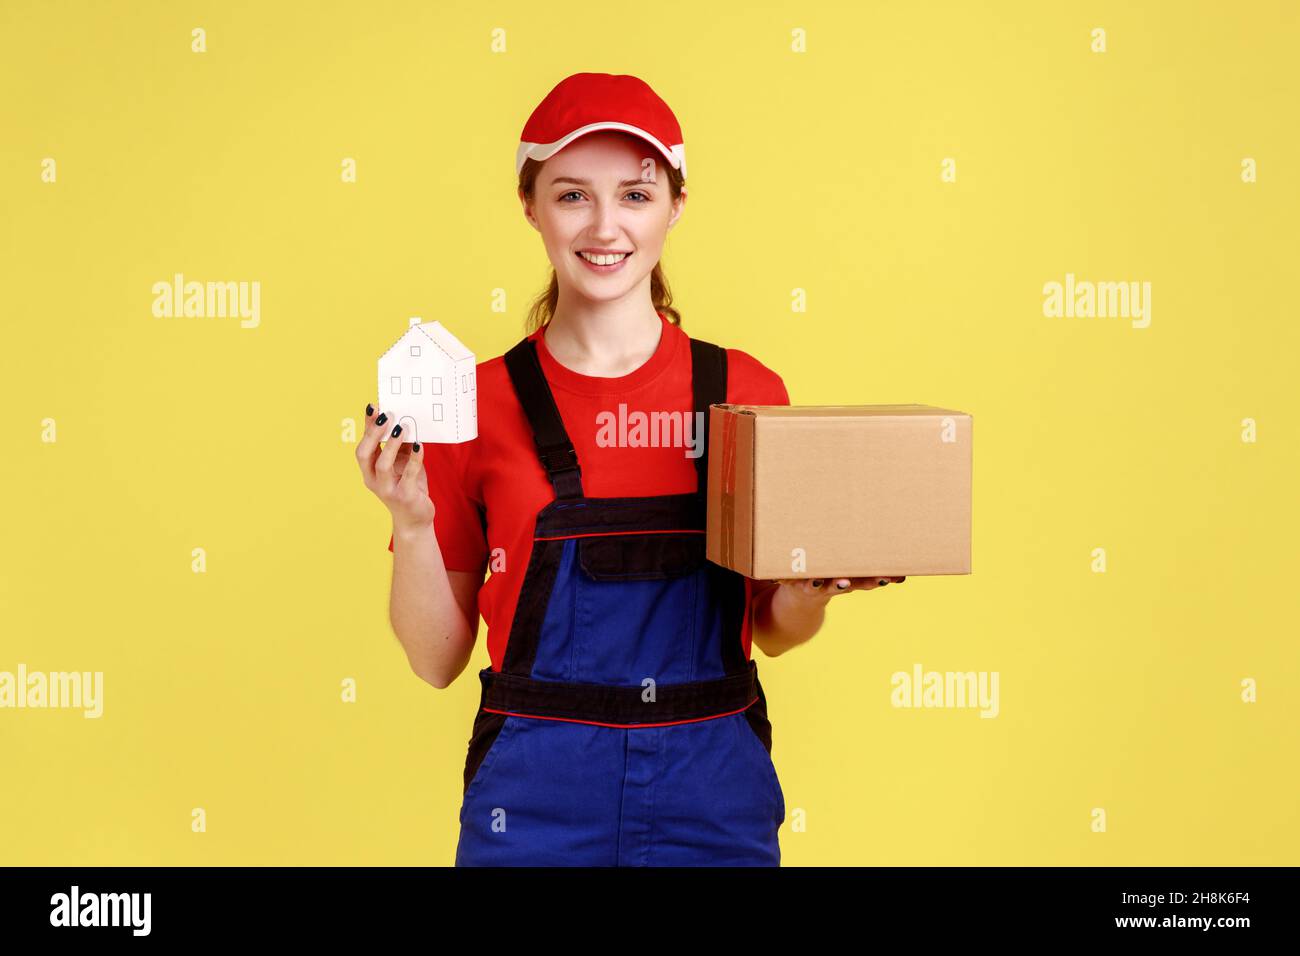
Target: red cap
[(586, 102)]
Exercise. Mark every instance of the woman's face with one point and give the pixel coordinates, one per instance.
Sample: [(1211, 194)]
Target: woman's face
[(603, 194)]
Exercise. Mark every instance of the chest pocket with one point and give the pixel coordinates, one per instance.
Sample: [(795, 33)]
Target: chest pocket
[(638, 599), (641, 557)]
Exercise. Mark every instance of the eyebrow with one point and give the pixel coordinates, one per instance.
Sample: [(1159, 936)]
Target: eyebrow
[(587, 182)]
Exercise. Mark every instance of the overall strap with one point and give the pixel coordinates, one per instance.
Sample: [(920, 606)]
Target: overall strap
[(554, 448), (708, 387), (558, 455)]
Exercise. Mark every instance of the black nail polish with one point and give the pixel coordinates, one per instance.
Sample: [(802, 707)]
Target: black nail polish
[(397, 430), (883, 582), (381, 419), (370, 409), (415, 447), (817, 582)]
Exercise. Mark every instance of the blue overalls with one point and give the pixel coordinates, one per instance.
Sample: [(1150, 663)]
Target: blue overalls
[(626, 726)]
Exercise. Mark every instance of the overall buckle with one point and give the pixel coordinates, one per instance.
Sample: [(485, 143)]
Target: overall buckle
[(559, 457)]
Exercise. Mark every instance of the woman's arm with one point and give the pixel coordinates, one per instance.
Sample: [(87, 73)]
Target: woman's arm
[(433, 611), (783, 618), (788, 613)]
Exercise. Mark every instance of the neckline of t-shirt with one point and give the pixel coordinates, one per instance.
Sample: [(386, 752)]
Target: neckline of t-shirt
[(562, 376)]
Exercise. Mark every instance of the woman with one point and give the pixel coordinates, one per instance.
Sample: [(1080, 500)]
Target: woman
[(621, 720)]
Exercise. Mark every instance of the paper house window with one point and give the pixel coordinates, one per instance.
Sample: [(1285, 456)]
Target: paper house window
[(415, 351), (464, 383), (437, 411), (415, 385), (437, 385), (396, 385)]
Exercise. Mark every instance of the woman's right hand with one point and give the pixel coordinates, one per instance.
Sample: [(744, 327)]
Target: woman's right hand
[(396, 473)]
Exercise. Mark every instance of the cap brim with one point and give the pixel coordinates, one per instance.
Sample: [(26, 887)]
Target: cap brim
[(675, 154)]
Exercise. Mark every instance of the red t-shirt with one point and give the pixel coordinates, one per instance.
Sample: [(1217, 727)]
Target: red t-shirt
[(487, 492)]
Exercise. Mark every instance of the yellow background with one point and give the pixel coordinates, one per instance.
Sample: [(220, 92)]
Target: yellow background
[(816, 171)]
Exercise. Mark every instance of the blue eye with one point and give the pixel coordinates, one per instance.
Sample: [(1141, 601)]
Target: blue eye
[(645, 197)]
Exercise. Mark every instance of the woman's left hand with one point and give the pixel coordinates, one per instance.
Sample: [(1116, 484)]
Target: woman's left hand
[(823, 588)]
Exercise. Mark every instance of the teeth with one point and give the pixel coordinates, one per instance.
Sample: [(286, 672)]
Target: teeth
[(604, 260)]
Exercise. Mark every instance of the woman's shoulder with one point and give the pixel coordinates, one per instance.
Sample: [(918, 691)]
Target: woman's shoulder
[(490, 367), (750, 382)]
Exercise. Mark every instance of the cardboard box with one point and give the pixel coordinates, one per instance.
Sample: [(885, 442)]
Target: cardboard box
[(822, 491)]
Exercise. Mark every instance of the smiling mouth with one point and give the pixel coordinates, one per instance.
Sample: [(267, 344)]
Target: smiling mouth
[(608, 259)]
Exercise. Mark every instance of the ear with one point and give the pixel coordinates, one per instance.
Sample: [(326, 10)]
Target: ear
[(528, 210), (679, 204)]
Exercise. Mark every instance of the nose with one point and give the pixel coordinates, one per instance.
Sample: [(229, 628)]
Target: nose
[(604, 225)]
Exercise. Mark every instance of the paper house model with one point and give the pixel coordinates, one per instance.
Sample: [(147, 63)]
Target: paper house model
[(426, 384)]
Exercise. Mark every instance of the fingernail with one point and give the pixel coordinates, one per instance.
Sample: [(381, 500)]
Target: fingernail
[(397, 430), (841, 585), (817, 583), (884, 581), (370, 409), (381, 419), (415, 447)]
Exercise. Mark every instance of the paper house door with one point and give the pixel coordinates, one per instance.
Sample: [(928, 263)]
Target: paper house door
[(426, 384)]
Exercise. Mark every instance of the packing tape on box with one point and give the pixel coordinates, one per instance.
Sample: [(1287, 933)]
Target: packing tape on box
[(728, 491)]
